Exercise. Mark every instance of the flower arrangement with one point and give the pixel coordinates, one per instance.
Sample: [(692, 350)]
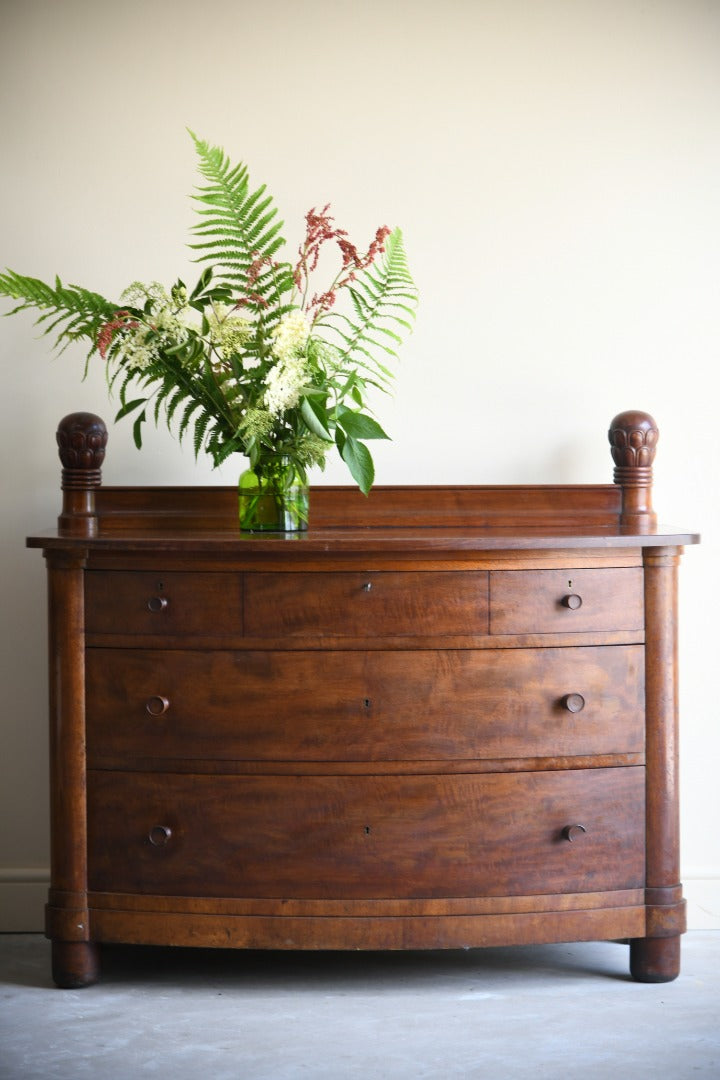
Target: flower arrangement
[(252, 359)]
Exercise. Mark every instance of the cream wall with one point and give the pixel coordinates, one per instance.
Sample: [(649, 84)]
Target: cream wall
[(555, 166)]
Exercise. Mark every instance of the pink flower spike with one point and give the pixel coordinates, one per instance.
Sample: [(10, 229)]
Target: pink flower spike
[(121, 320)]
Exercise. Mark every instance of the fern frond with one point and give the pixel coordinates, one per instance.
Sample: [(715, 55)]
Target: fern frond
[(192, 406), (383, 298), (201, 425), (237, 227), (70, 311), (164, 394), (174, 399), (221, 448)]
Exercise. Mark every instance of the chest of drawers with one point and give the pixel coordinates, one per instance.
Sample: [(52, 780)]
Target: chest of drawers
[(437, 719)]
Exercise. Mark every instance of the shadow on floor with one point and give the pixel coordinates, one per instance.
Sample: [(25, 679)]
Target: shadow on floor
[(122, 965)]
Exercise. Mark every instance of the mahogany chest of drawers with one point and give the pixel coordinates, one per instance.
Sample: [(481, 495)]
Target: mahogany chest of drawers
[(439, 718)]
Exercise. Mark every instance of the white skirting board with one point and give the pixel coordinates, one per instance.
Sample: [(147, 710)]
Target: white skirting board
[(23, 894)]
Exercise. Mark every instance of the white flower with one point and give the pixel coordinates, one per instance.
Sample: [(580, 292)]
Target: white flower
[(169, 323), (283, 384), (291, 334), (216, 313), (164, 325), (136, 352), (228, 332), (138, 294), (287, 377)]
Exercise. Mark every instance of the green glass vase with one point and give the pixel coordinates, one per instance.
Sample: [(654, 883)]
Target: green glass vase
[(273, 498)]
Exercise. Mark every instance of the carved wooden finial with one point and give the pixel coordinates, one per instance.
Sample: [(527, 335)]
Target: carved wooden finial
[(81, 439), (633, 437)]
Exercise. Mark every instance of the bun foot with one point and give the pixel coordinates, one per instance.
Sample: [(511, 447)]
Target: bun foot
[(75, 964), (655, 960)]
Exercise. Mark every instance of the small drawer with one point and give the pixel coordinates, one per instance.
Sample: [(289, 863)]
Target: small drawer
[(399, 705), (376, 603), (359, 837), (566, 601), (173, 604)]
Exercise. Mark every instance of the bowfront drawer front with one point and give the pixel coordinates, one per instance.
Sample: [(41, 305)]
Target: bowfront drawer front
[(566, 601), (372, 604), (129, 602), (366, 604), (361, 837), (363, 706)]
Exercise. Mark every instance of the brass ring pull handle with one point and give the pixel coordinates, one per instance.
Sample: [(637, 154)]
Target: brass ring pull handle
[(574, 703), (157, 705), (572, 832), (159, 835), (157, 603), (572, 601)]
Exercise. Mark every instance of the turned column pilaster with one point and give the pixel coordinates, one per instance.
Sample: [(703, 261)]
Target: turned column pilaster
[(81, 441), (656, 957), (66, 914)]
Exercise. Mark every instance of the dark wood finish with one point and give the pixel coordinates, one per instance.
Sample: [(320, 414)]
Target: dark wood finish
[(81, 439), (655, 960), (441, 717), (660, 962), (75, 964), (565, 601), (373, 908), (164, 605), (633, 437), (359, 932), (67, 917), (344, 604), (341, 837), (394, 705)]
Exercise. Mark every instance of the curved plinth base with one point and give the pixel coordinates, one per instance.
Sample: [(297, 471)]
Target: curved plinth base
[(655, 960), (75, 964)]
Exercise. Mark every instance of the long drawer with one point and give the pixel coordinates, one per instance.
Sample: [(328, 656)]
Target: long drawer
[(363, 706), (364, 604), (350, 837)]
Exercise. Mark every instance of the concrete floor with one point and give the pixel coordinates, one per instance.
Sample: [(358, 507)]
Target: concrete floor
[(553, 1011)]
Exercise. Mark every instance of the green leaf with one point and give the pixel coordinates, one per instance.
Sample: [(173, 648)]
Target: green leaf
[(181, 350), (203, 282), (137, 429), (359, 461), (359, 426), (129, 407), (315, 417)]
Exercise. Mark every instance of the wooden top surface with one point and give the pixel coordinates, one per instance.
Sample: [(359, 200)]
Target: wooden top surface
[(413, 518)]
